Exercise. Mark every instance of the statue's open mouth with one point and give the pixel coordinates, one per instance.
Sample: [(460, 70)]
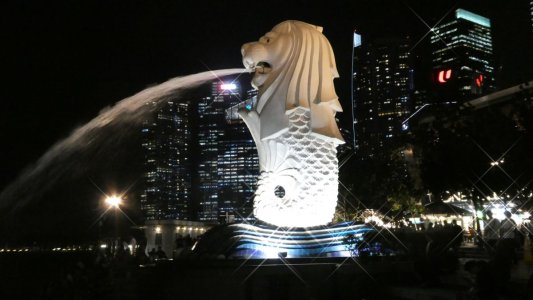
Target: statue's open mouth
[(263, 67), (261, 71)]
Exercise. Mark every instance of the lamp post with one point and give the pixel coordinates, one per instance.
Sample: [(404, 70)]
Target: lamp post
[(114, 203)]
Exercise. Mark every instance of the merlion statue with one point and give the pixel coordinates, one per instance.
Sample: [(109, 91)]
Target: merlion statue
[(293, 125)]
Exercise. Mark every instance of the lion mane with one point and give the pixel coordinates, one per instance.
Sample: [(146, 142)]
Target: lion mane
[(304, 78)]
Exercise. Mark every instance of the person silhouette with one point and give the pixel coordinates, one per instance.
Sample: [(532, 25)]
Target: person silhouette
[(160, 254), (152, 255), (507, 238), (491, 232)]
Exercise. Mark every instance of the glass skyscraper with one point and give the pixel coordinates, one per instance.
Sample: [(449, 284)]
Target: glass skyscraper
[(382, 90), (531, 14), (167, 178), (238, 166), (211, 131), (462, 58), (228, 164)]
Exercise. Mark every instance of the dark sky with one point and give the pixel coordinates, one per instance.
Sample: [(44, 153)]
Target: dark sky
[(63, 61)]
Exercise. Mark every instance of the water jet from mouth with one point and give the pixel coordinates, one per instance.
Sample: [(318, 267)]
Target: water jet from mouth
[(110, 128)]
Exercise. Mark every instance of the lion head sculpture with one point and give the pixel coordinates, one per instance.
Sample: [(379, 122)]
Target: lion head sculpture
[(294, 67)]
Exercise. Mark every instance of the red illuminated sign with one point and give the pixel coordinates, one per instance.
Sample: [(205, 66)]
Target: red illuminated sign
[(444, 75), (479, 80)]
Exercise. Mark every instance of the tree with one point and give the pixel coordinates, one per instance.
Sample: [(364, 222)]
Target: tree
[(477, 152), (387, 182)]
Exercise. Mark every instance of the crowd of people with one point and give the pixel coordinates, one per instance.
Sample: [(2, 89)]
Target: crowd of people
[(502, 238)]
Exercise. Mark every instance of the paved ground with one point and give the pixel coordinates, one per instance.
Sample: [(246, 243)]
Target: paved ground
[(43, 276), (520, 272)]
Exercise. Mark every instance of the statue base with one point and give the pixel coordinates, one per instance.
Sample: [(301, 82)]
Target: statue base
[(246, 241)]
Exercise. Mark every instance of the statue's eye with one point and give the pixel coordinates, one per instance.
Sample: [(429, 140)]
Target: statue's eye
[(265, 39)]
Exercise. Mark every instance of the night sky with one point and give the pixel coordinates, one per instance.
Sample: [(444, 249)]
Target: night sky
[(64, 61)]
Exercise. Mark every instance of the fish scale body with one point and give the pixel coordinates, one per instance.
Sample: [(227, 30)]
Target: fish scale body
[(307, 172)]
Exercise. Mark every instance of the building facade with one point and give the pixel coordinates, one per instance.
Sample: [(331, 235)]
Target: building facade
[(531, 14), (382, 93), (462, 58), (228, 165), (238, 166), (167, 178)]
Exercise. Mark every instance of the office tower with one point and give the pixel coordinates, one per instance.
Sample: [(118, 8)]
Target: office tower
[(166, 144), (462, 58), (382, 88), (238, 166), (228, 164), (531, 14)]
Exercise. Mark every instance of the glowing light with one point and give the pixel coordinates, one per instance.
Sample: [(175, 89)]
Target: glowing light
[(496, 163), (374, 219), (271, 252), (262, 242), (103, 246), (113, 201), (158, 229), (356, 40), (444, 75), (472, 17), (228, 86), (479, 80)]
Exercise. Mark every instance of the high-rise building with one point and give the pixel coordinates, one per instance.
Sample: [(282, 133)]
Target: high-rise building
[(228, 163), (166, 144), (211, 130), (462, 58), (382, 90), (238, 166), (531, 14)]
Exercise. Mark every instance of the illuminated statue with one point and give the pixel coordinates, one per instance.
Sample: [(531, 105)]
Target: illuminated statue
[(293, 125)]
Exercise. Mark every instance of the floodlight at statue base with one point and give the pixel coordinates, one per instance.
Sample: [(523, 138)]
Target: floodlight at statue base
[(247, 241)]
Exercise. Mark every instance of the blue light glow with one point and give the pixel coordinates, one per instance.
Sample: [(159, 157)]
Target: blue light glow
[(356, 40), (261, 242)]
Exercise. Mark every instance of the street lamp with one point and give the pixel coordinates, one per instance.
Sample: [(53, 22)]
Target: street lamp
[(496, 163), (113, 201)]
